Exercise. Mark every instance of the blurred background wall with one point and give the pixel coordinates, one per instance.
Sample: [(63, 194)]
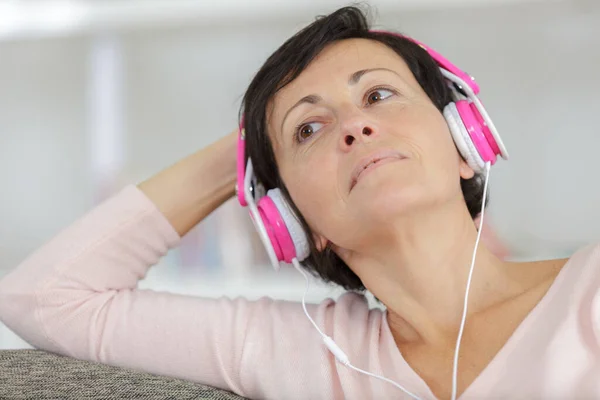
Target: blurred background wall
[(98, 94)]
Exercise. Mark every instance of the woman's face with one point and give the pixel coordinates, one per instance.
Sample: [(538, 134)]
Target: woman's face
[(359, 144)]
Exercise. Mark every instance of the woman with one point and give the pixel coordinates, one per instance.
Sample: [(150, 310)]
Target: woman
[(403, 230)]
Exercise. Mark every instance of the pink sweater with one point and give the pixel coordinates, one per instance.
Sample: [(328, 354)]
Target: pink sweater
[(77, 296)]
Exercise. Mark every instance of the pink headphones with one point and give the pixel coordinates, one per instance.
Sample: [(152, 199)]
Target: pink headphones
[(280, 230)]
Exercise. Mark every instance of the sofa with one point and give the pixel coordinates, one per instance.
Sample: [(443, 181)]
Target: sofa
[(39, 375)]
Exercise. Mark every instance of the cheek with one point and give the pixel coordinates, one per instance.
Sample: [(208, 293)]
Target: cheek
[(434, 140), (445, 167), (307, 188), (431, 142), (312, 186)]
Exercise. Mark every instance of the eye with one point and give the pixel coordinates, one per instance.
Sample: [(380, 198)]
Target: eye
[(305, 131), (378, 94)]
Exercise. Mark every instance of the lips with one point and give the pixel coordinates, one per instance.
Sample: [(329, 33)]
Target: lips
[(372, 161)]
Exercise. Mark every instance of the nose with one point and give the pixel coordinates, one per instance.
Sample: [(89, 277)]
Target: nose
[(357, 129)]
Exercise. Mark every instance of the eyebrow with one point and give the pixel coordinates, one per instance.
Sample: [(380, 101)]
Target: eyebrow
[(315, 99)]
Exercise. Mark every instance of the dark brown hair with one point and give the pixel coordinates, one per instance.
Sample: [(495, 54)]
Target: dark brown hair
[(284, 65)]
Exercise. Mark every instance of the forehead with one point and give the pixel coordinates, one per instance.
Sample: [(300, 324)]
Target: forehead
[(332, 68), (340, 59)]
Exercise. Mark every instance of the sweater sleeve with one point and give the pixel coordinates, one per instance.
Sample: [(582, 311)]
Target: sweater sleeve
[(78, 296)]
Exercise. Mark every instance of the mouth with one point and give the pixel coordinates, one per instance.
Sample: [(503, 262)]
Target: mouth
[(371, 162)]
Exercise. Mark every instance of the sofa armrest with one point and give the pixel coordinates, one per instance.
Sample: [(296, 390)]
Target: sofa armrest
[(39, 375)]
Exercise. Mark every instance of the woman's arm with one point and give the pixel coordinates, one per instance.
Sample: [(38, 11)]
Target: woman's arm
[(78, 296)]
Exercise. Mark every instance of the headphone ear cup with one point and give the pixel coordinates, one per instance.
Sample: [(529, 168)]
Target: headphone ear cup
[(294, 228), (462, 139), (286, 235)]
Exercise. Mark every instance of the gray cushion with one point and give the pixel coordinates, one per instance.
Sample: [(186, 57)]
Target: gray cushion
[(35, 374)]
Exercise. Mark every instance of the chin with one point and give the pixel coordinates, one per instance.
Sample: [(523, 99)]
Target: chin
[(387, 196)]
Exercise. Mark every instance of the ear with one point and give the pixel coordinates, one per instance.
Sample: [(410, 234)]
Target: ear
[(320, 241), (342, 253), (465, 171)]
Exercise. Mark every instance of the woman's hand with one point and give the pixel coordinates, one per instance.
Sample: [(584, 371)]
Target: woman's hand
[(192, 188)]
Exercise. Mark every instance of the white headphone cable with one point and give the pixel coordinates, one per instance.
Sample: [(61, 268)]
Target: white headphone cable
[(466, 299)]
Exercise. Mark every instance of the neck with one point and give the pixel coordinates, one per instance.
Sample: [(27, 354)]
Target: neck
[(420, 273)]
